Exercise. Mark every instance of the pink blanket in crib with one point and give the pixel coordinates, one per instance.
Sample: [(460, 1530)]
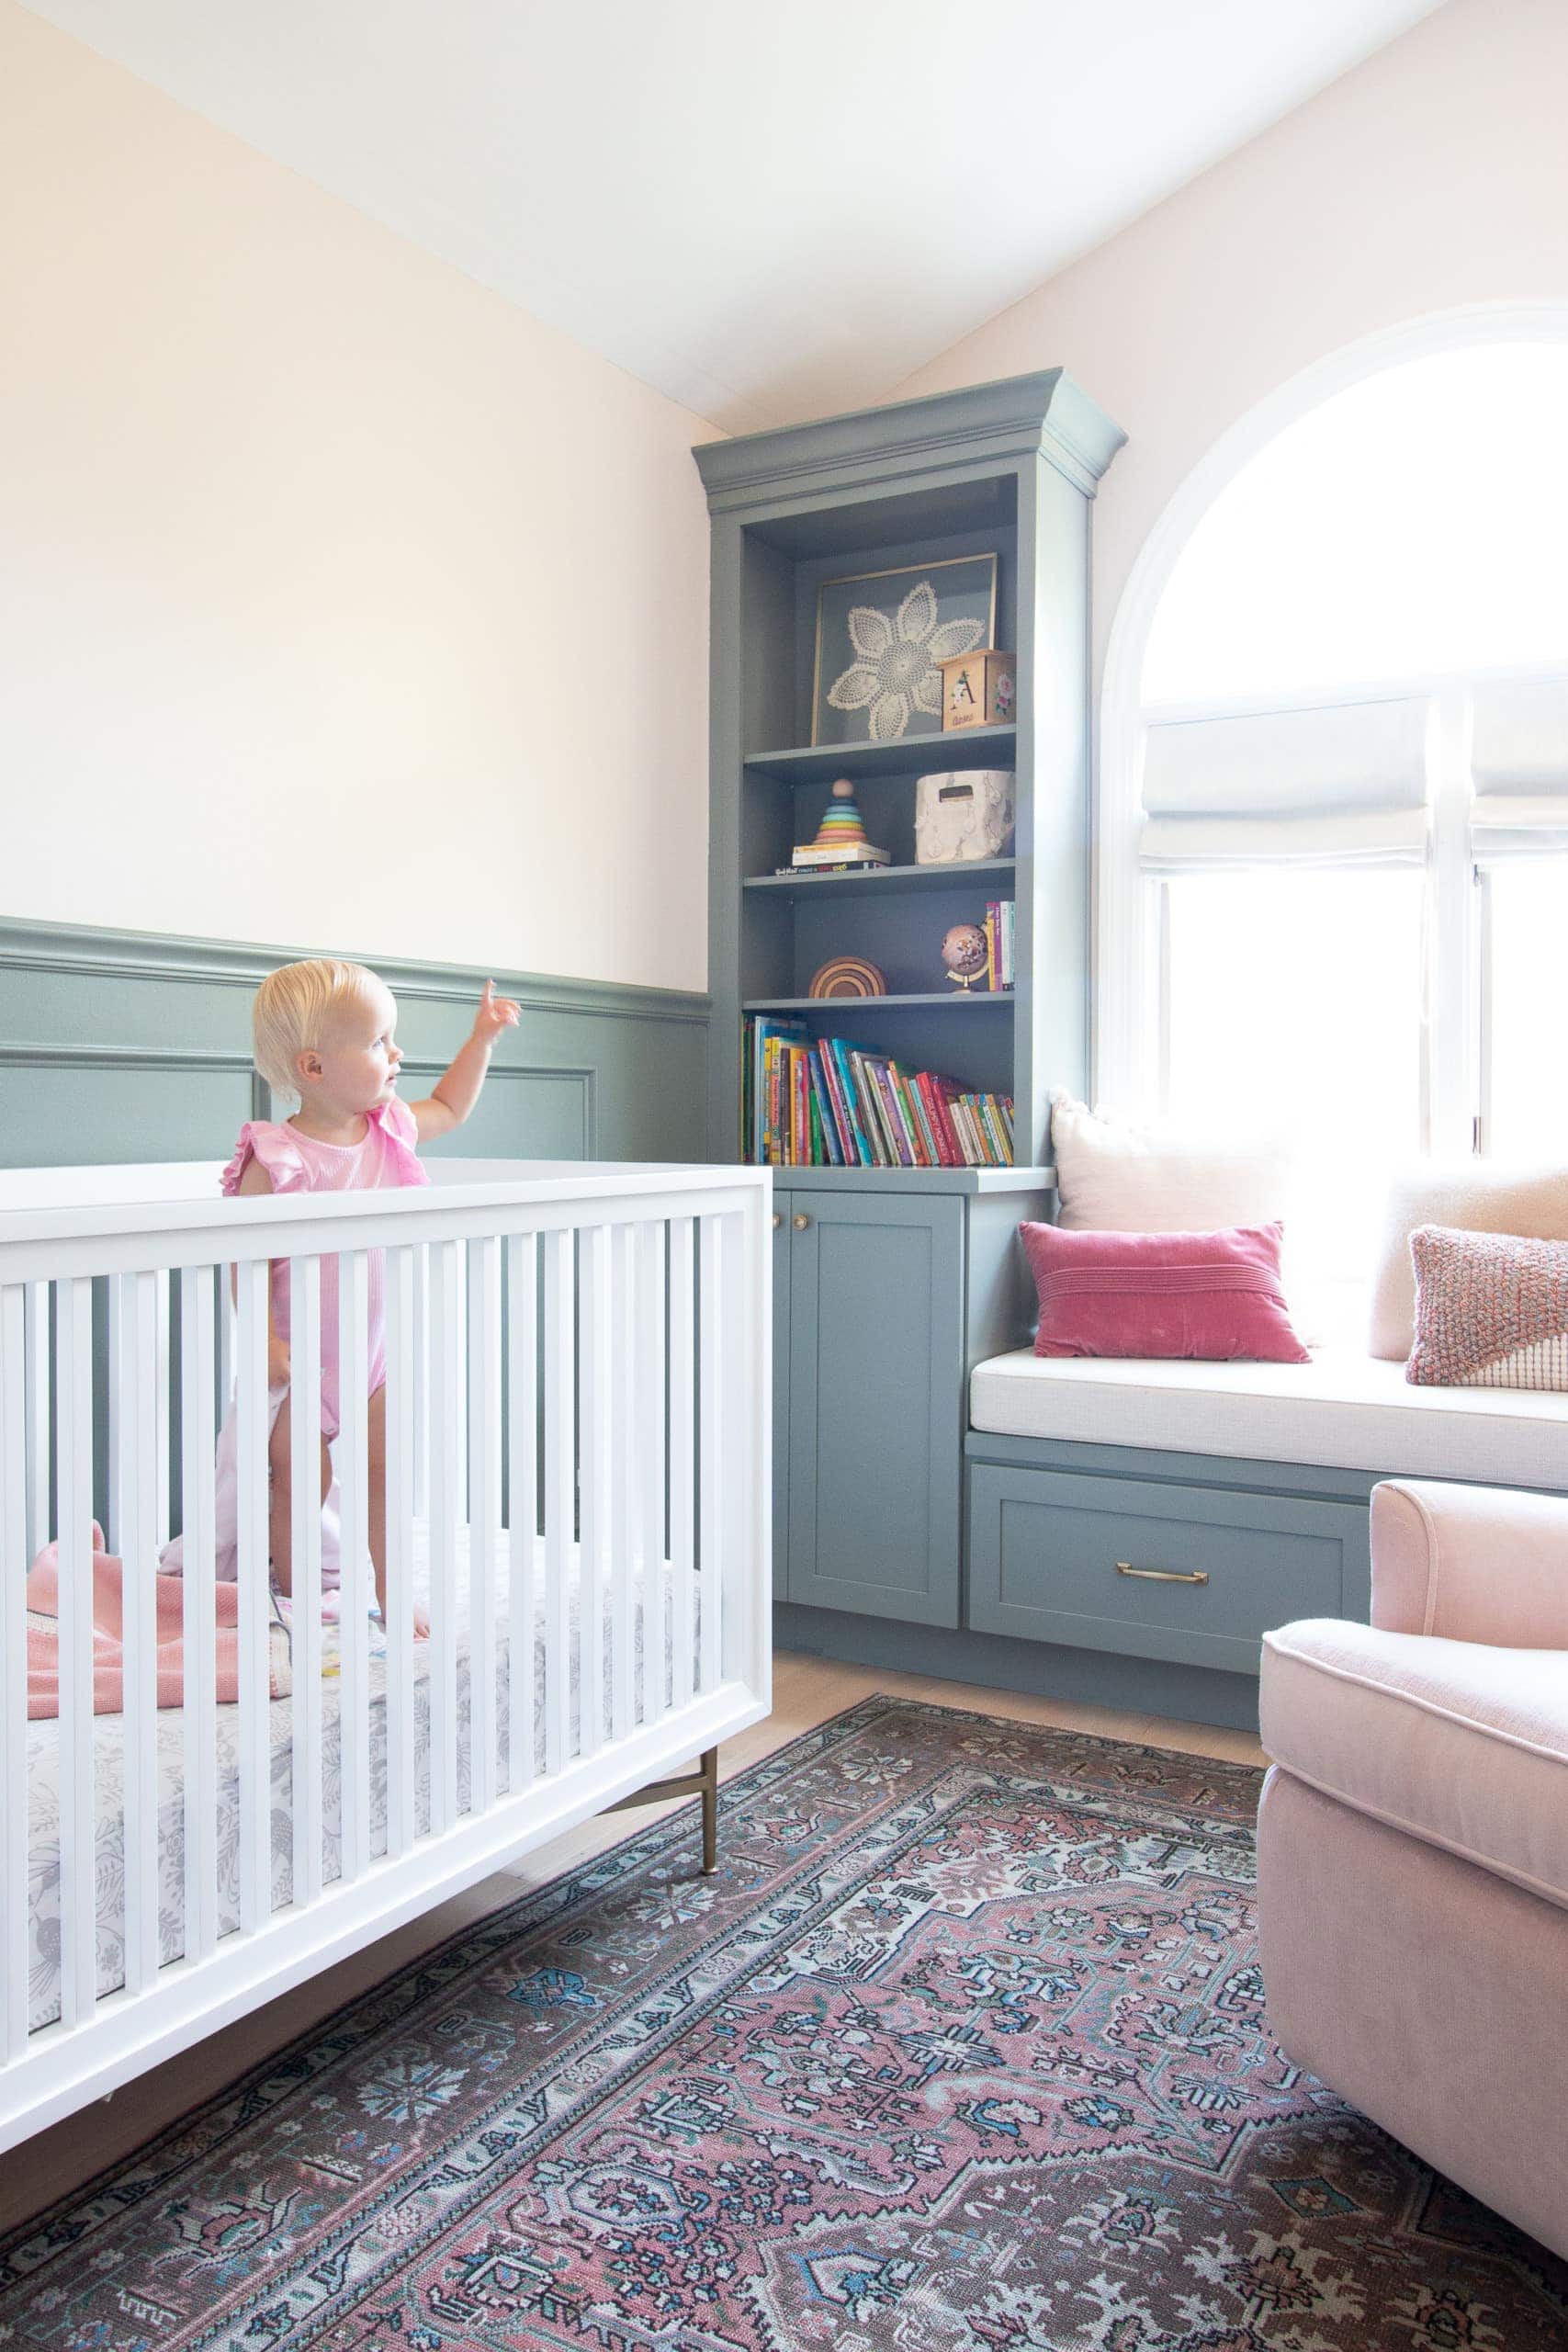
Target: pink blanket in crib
[(109, 1636)]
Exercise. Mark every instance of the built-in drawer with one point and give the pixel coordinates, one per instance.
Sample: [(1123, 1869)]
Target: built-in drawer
[(1193, 1574)]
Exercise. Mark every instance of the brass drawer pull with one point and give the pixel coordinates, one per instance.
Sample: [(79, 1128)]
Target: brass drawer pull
[(801, 1223), (1163, 1576)]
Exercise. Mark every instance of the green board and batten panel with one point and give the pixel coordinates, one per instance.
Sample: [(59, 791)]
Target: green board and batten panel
[(120, 1046)]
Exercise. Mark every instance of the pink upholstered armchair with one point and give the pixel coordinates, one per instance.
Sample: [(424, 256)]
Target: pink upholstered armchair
[(1413, 1843)]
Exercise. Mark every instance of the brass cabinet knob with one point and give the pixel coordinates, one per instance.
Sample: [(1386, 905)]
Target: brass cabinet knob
[(778, 1219), (801, 1222)]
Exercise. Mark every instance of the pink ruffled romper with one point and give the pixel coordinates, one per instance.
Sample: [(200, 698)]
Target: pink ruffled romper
[(299, 1163)]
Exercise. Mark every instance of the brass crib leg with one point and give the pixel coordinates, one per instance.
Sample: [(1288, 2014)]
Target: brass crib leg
[(710, 1811)]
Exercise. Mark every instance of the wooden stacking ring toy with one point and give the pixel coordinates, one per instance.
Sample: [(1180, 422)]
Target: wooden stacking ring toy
[(847, 976)]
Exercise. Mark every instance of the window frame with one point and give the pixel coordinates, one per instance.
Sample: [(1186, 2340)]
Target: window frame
[(1130, 1000)]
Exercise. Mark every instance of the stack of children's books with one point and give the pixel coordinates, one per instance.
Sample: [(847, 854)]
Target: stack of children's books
[(998, 928), (822, 1102)]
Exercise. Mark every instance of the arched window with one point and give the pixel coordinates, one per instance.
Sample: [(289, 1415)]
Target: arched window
[(1333, 817)]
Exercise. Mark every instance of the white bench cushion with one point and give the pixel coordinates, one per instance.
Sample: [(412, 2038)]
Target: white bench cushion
[(1341, 1412)]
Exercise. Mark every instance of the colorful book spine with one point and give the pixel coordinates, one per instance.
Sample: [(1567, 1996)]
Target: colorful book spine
[(848, 1152), (870, 1115), (827, 1125), (843, 1061), (930, 1102), (893, 1112), (912, 1118), (923, 1127)]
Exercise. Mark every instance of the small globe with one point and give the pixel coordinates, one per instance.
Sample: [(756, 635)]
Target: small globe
[(964, 951)]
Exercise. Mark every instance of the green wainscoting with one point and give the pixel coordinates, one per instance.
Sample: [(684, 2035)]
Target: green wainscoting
[(133, 1046)]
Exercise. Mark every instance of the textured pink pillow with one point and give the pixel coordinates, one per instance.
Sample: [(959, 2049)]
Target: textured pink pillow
[(1490, 1310), (1213, 1295)]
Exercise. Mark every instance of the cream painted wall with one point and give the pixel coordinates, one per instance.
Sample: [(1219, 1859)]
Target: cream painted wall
[(1433, 176), (308, 548)]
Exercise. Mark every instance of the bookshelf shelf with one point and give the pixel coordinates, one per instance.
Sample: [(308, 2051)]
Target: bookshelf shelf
[(847, 1010), (984, 873), (911, 755)]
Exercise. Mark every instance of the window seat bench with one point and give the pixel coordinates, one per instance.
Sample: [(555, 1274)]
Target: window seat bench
[(1153, 1520), (1342, 1411)]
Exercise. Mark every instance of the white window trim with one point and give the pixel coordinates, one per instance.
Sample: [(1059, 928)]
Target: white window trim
[(1127, 997)]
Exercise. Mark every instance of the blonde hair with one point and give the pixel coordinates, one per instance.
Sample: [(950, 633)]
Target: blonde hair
[(294, 1006)]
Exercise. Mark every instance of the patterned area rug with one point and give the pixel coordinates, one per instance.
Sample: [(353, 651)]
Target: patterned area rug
[(962, 2051)]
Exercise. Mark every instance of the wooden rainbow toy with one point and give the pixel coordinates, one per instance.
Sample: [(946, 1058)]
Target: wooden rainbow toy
[(847, 976)]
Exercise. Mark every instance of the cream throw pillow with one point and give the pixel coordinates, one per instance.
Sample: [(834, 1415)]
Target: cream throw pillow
[(1121, 1177), (1471, 1197)]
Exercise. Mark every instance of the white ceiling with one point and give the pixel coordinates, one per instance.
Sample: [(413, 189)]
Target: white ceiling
[(767, 211)]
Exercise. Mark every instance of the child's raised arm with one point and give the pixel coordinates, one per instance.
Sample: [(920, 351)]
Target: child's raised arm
[(453, 1097)]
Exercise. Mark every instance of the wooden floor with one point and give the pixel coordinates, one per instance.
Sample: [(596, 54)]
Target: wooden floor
[(807, 1690)]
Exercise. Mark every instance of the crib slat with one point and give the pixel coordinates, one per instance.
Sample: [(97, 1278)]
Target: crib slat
[(420, 1380), (521, 1498), (133, 1373), (597, 1440), (560, 1497), (484, 1510), (252, 1433), (14, 1558), (444, 1508), (36, 1299), (162, 1520), (114, 1441), (624, 1468), (353, 1552), (651, 1425), (462, 1313), (401, 1387), (683, 1454), (715, 1469), (199, 1602), (74, 1505), (738, 1559), (304, 1410), (225, 1344)]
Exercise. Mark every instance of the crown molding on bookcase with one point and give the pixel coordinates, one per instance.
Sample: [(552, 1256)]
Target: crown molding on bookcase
[(1045, 413), (95, 953)]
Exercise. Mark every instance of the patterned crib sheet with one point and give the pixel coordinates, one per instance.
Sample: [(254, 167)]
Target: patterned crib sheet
[(43, 1772)]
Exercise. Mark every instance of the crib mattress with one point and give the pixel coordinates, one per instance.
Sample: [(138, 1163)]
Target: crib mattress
[(653, 1631)]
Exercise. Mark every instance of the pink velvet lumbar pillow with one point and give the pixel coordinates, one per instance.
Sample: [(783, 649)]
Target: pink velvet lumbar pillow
[(1217, 1297), (1490, 1310)]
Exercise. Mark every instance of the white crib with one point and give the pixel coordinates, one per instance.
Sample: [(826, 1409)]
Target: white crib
[(577, 1476)]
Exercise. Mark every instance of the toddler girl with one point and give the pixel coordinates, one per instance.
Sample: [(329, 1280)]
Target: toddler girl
[(324, 1031)]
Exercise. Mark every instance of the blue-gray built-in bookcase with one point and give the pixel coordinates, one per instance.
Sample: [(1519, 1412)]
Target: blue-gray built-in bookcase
[(1006, 469), (889, 1283)]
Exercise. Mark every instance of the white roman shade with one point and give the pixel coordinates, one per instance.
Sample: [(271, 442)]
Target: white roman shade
[(1518, 765), (1340, 785)]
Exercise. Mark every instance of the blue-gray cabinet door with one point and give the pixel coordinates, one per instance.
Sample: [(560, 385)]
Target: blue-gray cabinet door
[(782, 1204), (876, 1404)]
